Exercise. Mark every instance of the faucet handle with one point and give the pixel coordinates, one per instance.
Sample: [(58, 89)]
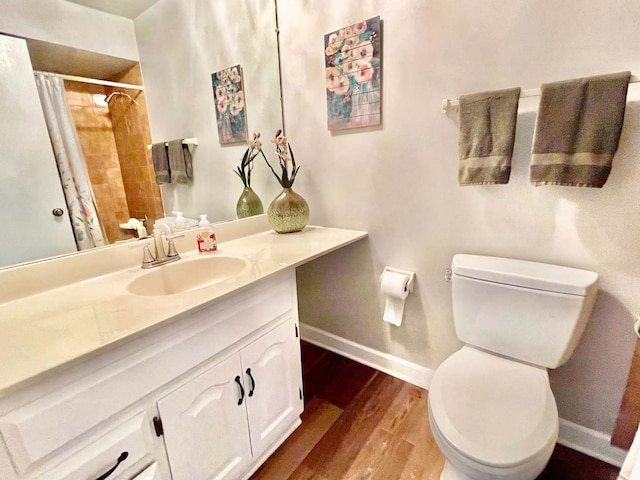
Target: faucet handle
[(172, 253), (147, 257)]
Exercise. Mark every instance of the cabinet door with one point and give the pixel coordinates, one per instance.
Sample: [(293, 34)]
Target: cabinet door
[(150, 473), (271, 367), (205, 430)]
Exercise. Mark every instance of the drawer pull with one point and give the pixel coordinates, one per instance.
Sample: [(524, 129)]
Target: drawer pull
[(253, 383), (241, 390), (123, 456)]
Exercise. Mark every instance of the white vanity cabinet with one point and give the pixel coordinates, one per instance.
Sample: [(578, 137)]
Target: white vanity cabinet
[(218, 422), (224, 381)]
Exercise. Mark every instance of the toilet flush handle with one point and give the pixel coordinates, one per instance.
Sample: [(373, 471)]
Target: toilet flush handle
[(447, 275)]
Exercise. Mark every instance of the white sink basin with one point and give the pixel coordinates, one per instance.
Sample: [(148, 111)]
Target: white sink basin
[(186, 275)]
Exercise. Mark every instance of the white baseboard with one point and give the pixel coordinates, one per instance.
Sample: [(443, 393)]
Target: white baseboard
[(585, 440), (590, 442), (390, 364)]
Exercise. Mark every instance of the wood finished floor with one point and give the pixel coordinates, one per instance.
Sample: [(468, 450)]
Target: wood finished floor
[(359, 423)]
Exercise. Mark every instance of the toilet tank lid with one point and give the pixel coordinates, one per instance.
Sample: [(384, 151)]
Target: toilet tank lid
[(526, 274)]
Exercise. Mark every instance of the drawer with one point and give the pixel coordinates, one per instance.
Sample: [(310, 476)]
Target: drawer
[(131, 442)]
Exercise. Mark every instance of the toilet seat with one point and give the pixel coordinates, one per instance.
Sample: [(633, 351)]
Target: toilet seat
[(491, 410)]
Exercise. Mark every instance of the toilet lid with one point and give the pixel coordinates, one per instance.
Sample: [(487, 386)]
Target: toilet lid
[(495, 411)]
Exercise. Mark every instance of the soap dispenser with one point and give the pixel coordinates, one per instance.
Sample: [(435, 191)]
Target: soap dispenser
[(180, 222), (206, 236)]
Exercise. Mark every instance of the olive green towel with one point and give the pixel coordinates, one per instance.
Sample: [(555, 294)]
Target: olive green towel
[(180, 162), (578, 130), (486, 136), (160, 163)]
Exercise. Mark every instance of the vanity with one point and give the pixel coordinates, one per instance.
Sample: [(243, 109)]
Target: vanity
[(199, 379)]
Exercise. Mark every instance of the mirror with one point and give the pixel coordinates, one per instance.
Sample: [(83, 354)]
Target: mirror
[(178, 45)]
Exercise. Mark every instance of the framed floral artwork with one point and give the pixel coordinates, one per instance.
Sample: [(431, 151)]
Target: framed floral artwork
[(231, 116), (353, 75)]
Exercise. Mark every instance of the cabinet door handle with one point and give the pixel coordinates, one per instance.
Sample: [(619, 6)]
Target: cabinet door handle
[(253, 383), (241, 390), (123, 456)]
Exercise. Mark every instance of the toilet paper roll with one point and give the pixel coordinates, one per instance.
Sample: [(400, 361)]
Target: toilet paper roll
[(394, 284), (394, 288)]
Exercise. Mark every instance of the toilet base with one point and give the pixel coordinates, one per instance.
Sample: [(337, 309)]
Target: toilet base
[(450, 473)]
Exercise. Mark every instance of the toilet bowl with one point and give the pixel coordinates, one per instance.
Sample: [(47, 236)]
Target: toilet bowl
[(491, 409), (492, 418)]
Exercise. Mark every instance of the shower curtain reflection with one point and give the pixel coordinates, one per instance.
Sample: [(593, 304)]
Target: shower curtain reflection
[(70, 160), (111, 130)]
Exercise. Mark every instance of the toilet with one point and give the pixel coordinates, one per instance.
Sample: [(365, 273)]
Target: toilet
[(491, 409)]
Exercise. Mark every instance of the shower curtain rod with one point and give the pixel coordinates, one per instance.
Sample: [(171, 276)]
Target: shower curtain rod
[(451, 105), (92, 81)]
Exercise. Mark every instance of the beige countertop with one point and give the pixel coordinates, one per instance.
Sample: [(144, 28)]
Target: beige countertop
[(44, 331)]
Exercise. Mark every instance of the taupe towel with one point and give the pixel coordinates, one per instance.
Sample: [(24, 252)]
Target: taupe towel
[(578, 130), (486, 136), (160, 162), (179, 162)]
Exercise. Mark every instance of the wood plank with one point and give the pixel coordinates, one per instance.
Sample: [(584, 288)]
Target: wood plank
[(629, 413), (338, 380), (317, 418), (303, 473), (316, 378), (311, 356), (416, 429), (371, 456), (425, 462), (348, 381), (387, 452), (333, 455), (394, 459), (407, 415)]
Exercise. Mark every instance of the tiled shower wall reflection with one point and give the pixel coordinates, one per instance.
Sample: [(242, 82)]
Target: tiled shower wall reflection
[(131, 130), (93, 124), (114, 141)]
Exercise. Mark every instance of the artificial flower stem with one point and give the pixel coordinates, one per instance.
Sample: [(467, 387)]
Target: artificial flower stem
[(274, 172)]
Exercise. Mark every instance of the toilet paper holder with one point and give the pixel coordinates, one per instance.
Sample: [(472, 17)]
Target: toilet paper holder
[(411, 275)]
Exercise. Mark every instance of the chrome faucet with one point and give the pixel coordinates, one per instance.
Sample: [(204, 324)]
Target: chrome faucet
[(160, 258)]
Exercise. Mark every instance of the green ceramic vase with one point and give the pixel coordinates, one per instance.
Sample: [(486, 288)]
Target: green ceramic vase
[(249, 204), (288, 212)]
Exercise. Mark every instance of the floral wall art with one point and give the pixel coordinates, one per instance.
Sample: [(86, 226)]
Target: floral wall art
[(353, 75), (231, 115)]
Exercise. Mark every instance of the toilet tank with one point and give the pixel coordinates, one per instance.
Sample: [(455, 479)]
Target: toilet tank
[(533, 312)]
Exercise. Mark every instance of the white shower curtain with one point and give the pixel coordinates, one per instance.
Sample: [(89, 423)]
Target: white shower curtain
[(71, 164)]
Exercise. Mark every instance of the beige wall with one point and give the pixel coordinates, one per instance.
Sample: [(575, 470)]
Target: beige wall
[(399, 182), (181, 43)]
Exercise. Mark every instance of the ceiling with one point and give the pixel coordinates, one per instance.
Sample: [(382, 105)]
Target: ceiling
[(123, 8)]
